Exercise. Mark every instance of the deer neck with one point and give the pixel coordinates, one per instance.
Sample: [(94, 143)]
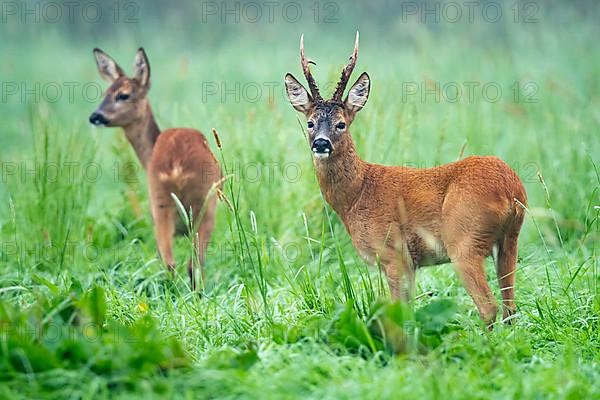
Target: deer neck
[(341, 177), (142, 134)]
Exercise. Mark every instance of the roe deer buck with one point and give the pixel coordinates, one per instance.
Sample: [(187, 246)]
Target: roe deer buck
[(177, 160), (409, 217)]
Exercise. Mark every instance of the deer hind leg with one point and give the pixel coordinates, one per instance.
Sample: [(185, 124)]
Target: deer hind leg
[(163, 214), (164, 229), (506, 268), (469, 236), (469, 261), (202, 238)]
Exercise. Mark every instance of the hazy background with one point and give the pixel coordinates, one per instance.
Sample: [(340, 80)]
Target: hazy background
[(221, 64)]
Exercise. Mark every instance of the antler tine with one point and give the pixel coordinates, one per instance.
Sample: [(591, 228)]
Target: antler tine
[(312, 85), (346, 72)]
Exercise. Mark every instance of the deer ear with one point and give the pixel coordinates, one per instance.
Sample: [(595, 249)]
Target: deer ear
[(107, 67), (299, 97), (358, 94), (142, 67)]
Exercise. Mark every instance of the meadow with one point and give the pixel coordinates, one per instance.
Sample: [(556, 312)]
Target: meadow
[(288, 308)]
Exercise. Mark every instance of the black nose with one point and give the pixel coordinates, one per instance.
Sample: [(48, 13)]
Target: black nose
[(98, 119), (322, 146)]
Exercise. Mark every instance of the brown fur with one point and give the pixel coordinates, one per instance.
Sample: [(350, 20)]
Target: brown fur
[(182, 164), (178, 161), (409, 217)]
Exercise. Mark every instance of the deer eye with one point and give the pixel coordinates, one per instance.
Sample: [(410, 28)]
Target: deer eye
[(341, 126), (310, 124), (122, 96)]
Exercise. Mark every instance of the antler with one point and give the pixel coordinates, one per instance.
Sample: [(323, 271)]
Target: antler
[(312, 85), (346, 72)]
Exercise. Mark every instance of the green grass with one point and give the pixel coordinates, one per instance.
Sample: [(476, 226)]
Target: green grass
[(290, 310)]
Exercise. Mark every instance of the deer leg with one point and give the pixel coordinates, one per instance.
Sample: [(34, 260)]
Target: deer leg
[(164, 228), (506, 267), (469, 267), (163, 214), (401, 288), (401, 279), (394, 284), (469, 236)]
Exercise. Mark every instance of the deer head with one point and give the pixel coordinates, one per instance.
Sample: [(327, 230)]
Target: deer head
[(125, 99), (328, 120)]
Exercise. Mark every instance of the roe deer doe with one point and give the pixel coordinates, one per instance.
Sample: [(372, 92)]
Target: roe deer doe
[(177, 160), (409, 217)]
